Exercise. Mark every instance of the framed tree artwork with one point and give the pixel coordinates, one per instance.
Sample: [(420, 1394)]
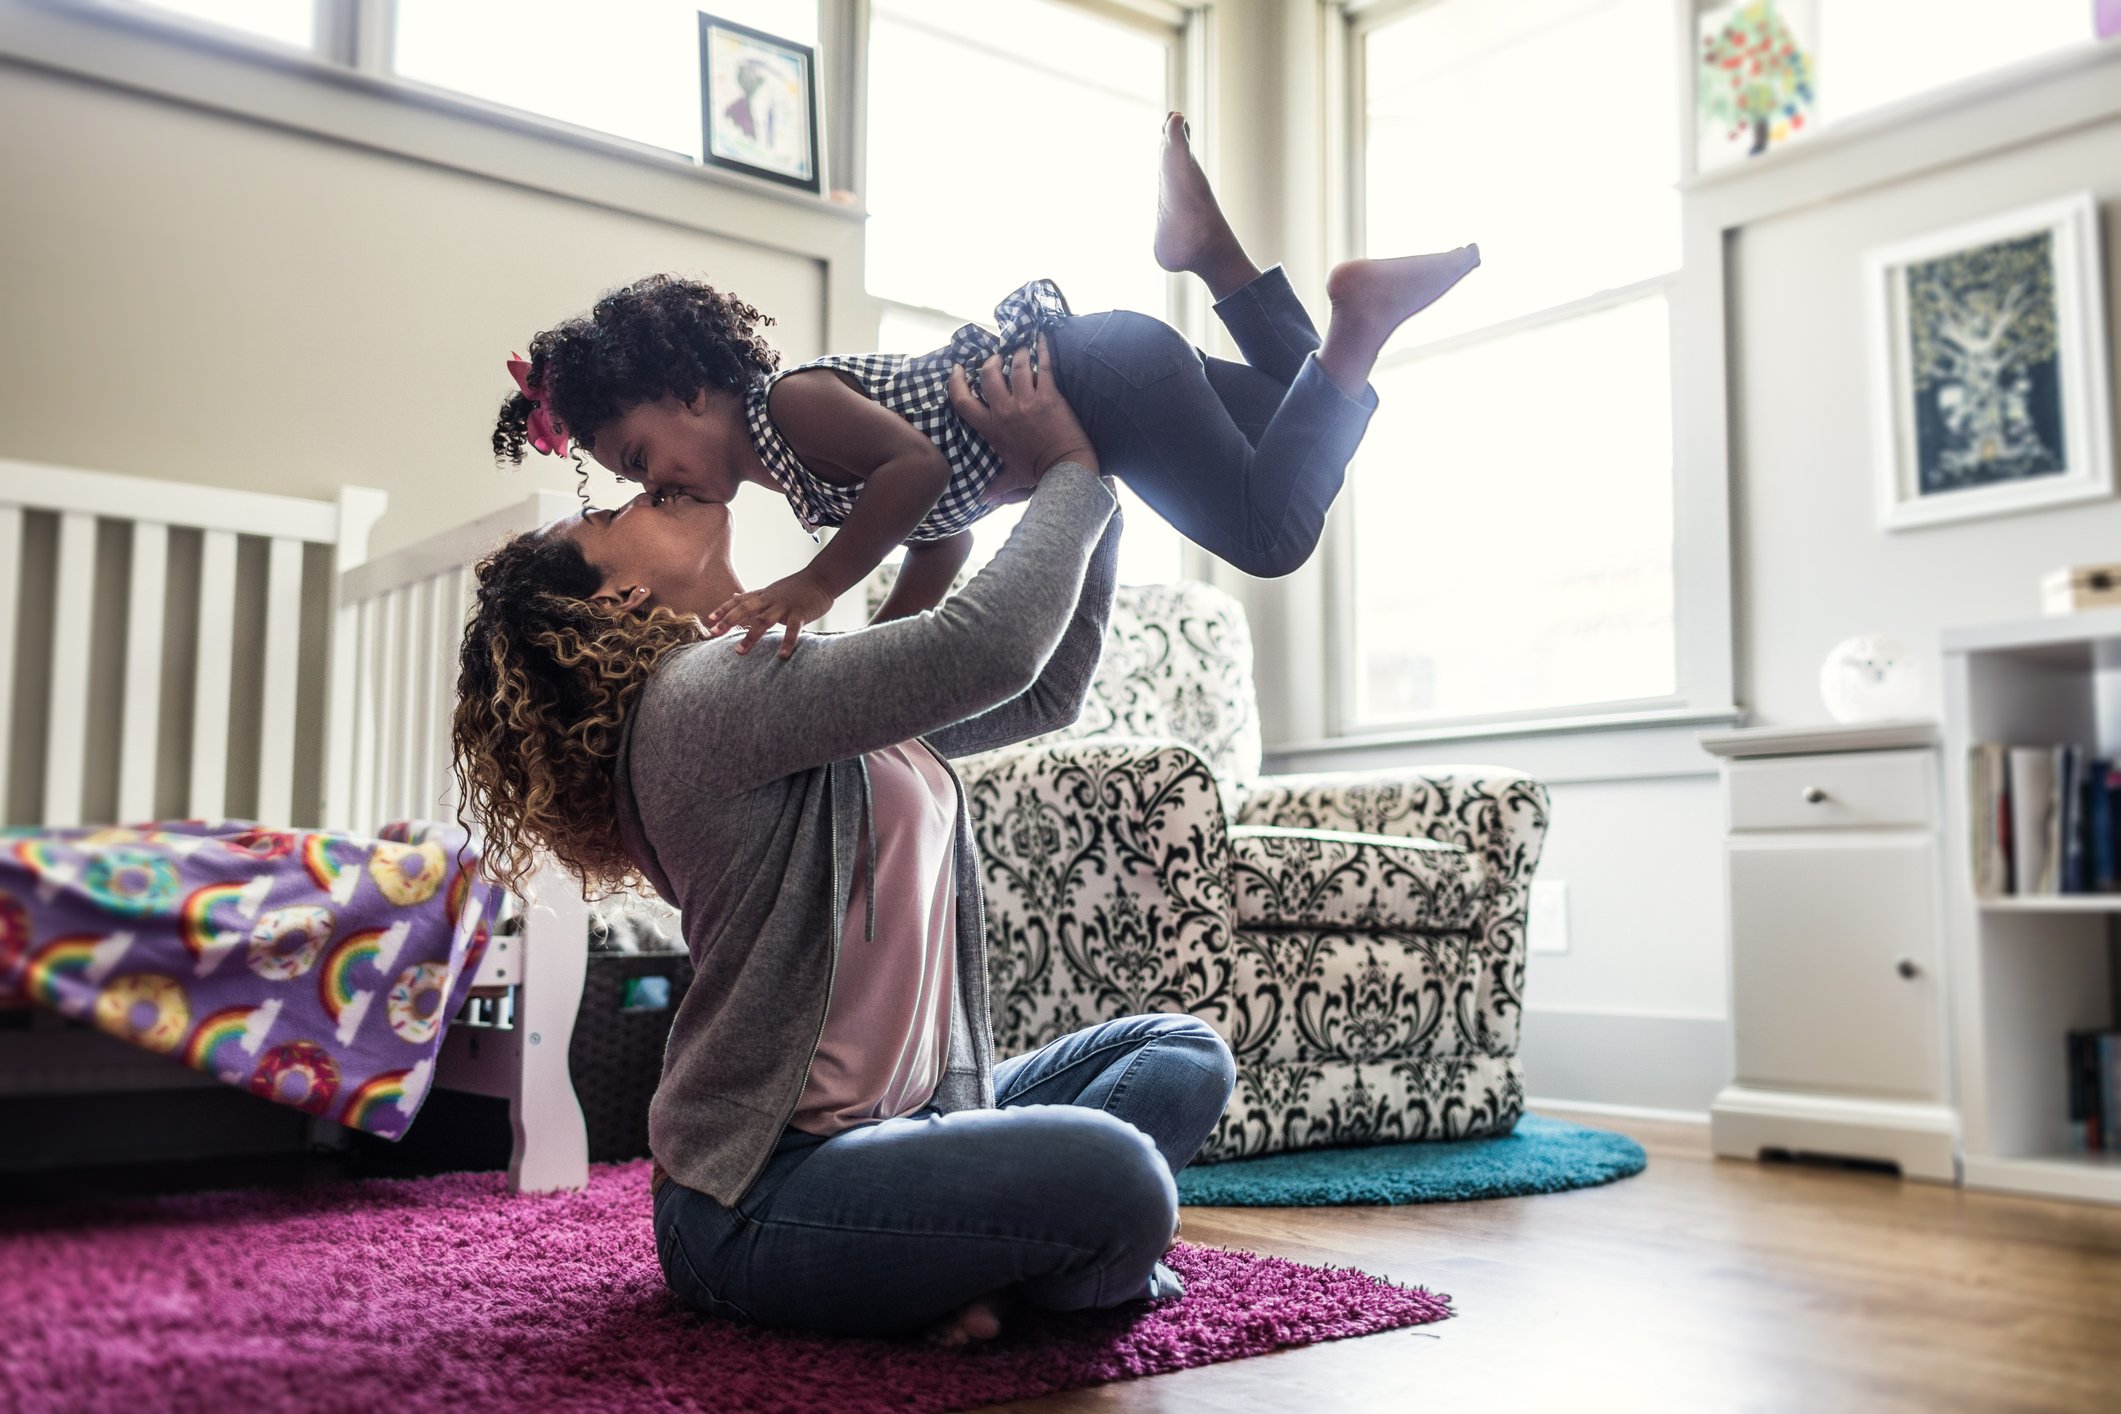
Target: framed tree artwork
[(1988, 367)]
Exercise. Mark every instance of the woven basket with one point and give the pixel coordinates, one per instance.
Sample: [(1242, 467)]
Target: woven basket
[(616, 1056)]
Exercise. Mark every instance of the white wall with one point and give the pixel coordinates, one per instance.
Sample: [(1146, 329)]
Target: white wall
[(205, 297), (1813, 566)]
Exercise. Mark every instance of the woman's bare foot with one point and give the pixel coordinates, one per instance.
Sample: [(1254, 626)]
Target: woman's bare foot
[(980, 1319), (1192, 237), (1371, 298)]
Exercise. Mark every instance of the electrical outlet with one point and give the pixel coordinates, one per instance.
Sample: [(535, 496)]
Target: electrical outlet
[(1548, 928)]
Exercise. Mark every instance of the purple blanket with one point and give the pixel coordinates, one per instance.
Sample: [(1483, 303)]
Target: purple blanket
[(317, 970)]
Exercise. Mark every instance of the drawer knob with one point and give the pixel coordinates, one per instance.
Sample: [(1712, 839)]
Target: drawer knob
[(1909, 968), (1813, 795)]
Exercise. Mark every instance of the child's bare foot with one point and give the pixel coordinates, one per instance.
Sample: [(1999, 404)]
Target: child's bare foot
[(1371, 298), (1191, 234), (980, 1319)]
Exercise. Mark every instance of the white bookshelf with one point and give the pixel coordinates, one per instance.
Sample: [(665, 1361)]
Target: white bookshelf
[(2026, 970)]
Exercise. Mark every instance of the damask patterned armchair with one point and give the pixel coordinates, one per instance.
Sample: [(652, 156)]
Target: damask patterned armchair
[(1357, 937)]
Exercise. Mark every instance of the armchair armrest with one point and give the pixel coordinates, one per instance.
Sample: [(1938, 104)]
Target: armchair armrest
[(1494, 811), (1105, 872)]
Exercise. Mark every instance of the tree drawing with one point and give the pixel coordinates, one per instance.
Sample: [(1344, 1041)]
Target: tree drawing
[(1754, 74), (1981, 349)]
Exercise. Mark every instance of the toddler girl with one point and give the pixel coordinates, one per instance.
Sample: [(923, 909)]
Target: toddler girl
[(668, 382)]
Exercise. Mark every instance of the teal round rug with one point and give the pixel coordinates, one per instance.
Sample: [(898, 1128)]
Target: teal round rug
[(1539, 1156)]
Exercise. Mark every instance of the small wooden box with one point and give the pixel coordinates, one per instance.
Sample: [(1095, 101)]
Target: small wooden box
[(2079, 587)]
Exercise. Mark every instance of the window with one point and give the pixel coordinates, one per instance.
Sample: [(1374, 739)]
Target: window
[(630, 68), (1510, 542), (970, 196), (291, 22)]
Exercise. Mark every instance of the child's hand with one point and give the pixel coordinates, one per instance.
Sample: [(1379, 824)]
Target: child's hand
[(790, 602)]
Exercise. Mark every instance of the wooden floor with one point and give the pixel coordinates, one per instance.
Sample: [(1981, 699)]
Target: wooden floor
[(1701, 1284)]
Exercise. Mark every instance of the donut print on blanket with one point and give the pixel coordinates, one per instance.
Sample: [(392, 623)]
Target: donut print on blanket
[(14, 940), (263, 844), (408, 873), (131, 881), (252, 952), (146, 1009), (300, 1073), (414, 1006), (287, 941)]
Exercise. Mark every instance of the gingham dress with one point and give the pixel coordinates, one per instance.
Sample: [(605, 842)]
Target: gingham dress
[(917, 388)]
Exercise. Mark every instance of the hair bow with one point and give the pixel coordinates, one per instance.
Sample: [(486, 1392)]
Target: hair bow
[(546, 434)]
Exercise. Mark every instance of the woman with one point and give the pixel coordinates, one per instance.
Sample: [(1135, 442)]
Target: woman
[(835, 1146)]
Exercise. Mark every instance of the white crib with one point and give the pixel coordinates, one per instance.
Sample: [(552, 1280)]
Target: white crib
[(207, 653), (403, 615)]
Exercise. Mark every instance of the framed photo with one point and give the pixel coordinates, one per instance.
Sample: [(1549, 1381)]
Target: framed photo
[(758, 102), (1988, 367)]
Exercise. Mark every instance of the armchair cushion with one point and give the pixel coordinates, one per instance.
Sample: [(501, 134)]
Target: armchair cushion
[(1305, 878)]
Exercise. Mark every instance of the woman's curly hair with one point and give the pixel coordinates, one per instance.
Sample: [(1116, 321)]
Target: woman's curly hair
[(659, 336), (545, 680)]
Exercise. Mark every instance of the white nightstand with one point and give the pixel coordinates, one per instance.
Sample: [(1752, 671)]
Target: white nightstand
[(1832, 894)]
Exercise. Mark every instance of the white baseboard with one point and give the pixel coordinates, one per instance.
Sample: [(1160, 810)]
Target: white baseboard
[(1921, 1137), (1590, 1107)]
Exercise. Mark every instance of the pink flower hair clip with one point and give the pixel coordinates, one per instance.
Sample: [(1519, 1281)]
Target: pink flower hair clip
[(546, 434)]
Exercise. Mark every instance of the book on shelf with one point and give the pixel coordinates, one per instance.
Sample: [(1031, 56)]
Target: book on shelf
[(2095, 1091), (2046, 820)]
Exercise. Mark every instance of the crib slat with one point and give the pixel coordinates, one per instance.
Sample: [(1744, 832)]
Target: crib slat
[(137, 731), (361, 680), (386, 607), (66, 731), (10, 603), (400, 679), (451, 601), (419, 744), (216, 666), (431, 756), (283, 646)]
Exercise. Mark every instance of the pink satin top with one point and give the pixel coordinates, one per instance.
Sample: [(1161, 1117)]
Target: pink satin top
[(887, 1027)]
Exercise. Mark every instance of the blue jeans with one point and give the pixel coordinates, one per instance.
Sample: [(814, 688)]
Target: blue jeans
[(1243, 459), (1063, 1191)]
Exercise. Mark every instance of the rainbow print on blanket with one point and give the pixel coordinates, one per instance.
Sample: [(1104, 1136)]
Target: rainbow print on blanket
[(317, 970)]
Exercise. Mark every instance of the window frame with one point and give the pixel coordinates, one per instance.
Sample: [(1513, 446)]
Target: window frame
[(1182, 28), (352, 47), (144, 13), (1702, 637)]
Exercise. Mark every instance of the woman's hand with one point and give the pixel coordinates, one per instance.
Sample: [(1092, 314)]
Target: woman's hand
[(790, 602), (1023, 417)]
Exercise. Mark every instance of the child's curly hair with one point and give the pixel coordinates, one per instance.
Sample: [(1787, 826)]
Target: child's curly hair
[(545, 679), (659, 336)]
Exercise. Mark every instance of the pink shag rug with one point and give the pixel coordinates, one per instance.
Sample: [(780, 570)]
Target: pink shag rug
[(449, 1294)]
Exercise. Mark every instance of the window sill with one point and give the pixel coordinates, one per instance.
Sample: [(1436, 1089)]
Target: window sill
[(1539, 726), (229, 73), (1557, 750)]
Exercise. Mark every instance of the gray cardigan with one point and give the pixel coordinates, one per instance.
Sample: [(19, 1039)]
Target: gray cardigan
[(740, 787)]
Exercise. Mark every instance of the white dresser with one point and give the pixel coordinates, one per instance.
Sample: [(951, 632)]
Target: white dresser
[(1833, 908)]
